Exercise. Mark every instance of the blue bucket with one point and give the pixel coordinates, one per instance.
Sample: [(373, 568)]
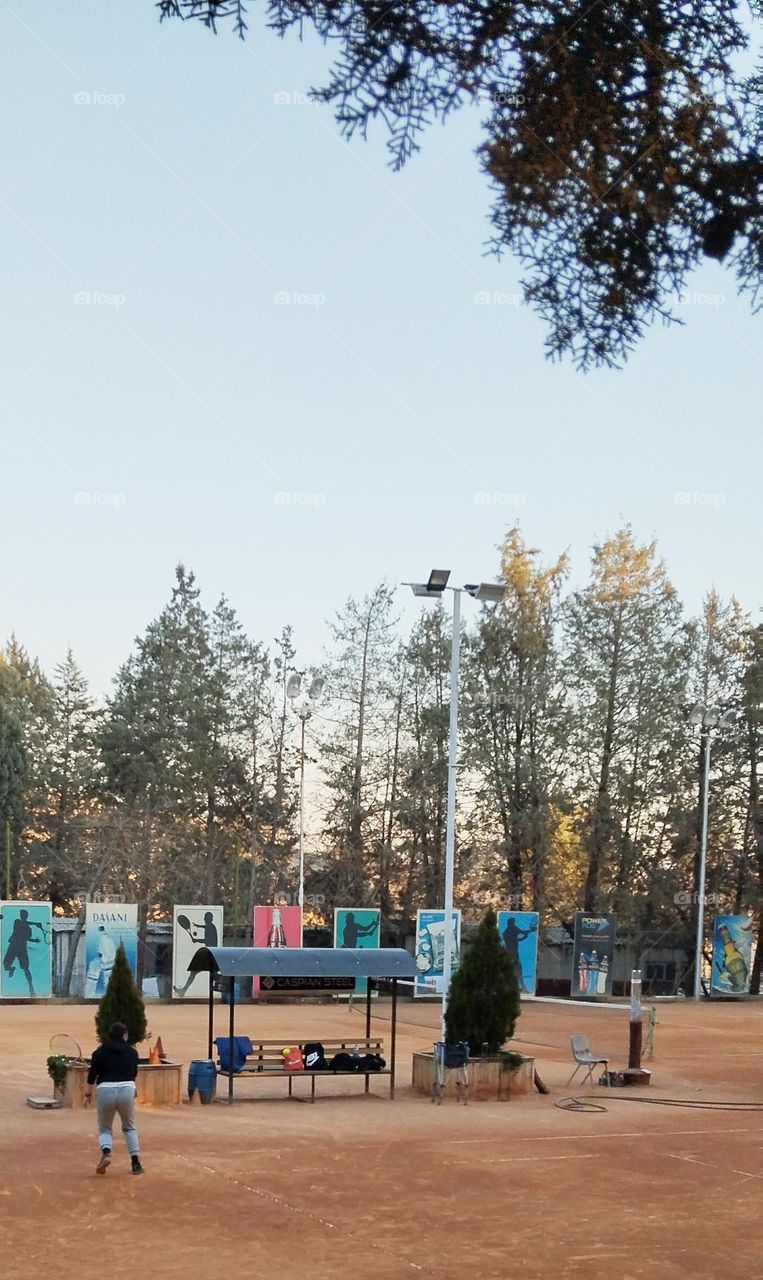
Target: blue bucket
[(202, 1075)]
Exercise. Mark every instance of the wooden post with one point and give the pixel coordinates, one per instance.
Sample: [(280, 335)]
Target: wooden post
[(211, 1019)]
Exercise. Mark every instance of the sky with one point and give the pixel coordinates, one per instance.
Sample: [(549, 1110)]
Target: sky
[(232, 338)]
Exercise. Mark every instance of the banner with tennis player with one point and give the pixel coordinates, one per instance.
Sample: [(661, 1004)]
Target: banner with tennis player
[(193, 927), (430, 951), (25, 937), (518, 931), (732, 955), (279, 926), (593, 954), (357, 927), (107, 924)]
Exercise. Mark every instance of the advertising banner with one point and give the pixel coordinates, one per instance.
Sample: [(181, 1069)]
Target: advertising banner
[(593, 955), (518, 931), (276, 927), (732, 955), (25, 944), (107, 924), (357, 927), (193, 927), (430, 951)]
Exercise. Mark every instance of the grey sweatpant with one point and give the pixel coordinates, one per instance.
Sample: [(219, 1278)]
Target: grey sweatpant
[(118, 1100)]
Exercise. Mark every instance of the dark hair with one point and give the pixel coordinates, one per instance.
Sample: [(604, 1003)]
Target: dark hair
[(117, 1031)]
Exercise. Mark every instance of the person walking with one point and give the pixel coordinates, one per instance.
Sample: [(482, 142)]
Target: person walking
[(113, 1070)]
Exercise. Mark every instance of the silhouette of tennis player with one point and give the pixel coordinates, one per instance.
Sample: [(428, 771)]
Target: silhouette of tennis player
[(512, 936), (17, 951), (352, 930), (205, 933)]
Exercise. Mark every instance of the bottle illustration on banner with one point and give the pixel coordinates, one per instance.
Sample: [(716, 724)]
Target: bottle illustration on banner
[(734, 966), (276, 936)]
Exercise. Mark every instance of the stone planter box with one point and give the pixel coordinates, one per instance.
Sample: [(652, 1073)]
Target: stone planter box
[(158, 1086), (490, 1079)]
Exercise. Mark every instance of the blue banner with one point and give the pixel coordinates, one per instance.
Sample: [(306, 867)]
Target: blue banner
[(25, 943), (430, 951), (107, 926), (357, 927), (518, 931)]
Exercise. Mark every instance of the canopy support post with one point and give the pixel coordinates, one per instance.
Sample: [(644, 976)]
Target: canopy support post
[(393, 1042), (211, 1019), (231, 1029), (369, 982)]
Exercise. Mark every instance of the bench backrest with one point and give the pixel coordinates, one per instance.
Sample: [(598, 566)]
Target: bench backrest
[(270, 1052)]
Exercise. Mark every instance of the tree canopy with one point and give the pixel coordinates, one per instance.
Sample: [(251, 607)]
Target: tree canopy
[(619, 136)]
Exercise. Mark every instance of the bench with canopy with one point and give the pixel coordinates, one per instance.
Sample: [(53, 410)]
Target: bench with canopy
[(302, 970)]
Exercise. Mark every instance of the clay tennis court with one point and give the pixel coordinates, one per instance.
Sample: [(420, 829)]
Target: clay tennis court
[(373, 1190)]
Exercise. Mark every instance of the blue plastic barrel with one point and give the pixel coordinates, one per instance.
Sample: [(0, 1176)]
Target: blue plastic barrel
[(202, 1075)]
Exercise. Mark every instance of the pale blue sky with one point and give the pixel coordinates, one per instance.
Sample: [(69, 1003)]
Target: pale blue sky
[(161, 420)]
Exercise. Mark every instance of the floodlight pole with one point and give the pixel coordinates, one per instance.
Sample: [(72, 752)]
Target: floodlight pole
[(706, 736), (450, 827), (301, 896)]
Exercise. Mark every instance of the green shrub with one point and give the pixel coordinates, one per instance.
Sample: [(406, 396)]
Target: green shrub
[(57, 1065), (121, 1002), (483, 1001)]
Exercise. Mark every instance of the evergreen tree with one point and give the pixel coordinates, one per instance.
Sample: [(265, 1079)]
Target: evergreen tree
[(483, 1001), (12, 778), (121, 1002)]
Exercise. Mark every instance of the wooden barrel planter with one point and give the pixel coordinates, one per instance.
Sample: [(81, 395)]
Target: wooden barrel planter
[(490, 1079), (158, 1085)]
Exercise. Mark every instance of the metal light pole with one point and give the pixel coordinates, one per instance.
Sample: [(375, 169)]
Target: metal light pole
[(434, 589), (304, 710), (708, 719)]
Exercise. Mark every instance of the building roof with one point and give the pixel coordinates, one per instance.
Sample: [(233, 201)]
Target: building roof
[(304, 962)]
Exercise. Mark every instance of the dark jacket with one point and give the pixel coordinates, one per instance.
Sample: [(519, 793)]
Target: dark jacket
[(114, 1061)]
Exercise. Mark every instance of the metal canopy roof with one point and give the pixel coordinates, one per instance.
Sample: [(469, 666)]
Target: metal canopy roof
[(304, 962)]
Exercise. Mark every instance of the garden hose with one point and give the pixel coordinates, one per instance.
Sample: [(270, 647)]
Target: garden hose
[(591, 1102)]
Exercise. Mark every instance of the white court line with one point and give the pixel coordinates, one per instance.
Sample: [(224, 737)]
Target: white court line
[(524, 1159), (743, 1173), (580, 1137)]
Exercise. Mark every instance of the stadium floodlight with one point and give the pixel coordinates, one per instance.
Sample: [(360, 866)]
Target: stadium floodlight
[(487, 593), (707, 720), (293, 686)]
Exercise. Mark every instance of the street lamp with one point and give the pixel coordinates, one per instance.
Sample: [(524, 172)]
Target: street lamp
[(304, 710), (489, 593), (707, 720)]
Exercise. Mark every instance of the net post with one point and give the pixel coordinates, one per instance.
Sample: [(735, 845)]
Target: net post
[(393, 1041), (231, 1029)]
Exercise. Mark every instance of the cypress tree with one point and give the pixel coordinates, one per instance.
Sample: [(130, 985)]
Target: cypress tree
[(121, 1002), (483, 1002)]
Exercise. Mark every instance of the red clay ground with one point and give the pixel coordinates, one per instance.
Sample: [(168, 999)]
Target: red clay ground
[(362, 1188)]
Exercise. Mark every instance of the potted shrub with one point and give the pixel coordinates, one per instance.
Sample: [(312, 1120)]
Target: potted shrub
[(57, 1068), (483, 1007)]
